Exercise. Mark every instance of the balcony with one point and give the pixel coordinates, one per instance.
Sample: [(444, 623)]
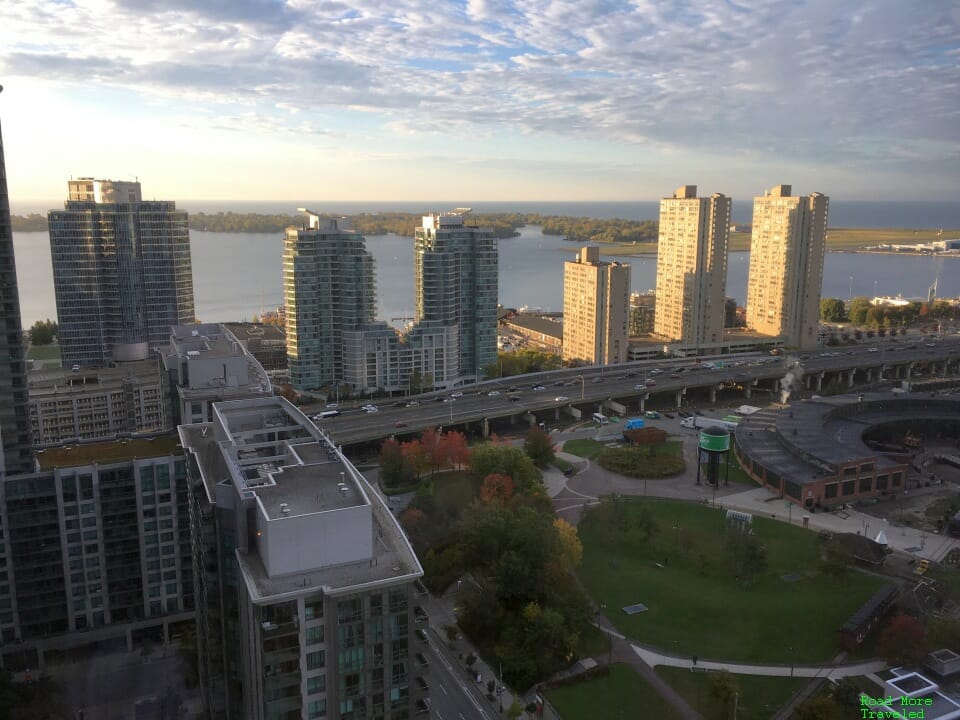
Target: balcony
[(420, 616), (422, 685)]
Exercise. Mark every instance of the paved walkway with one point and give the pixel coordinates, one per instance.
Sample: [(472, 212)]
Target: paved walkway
[(829, 671), (760, 501)]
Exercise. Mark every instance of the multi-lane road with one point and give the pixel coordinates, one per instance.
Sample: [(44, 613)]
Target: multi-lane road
[(542, 392)]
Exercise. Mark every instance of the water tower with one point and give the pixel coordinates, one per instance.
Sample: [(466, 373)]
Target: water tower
[(712, 450)]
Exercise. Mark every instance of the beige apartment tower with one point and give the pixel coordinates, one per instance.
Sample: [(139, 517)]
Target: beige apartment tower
[(786, 265), (595, 301), (692, 267)]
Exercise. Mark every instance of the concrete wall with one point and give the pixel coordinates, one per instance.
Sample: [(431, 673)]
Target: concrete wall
[(299, 543)]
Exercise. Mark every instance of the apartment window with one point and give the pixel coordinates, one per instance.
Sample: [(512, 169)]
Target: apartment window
[(315, 635), (317, 708), (316, 660), (830, 491), (849, 487), (866, 484), (398, 601), (349, 611), (316, 684)]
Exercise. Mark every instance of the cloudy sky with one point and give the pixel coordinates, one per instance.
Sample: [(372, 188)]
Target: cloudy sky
[(482, 99)]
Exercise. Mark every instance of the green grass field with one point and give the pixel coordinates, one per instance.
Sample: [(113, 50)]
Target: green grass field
[(44, 352), (583, 448), (759, 697), (697, 606), (621, 695)]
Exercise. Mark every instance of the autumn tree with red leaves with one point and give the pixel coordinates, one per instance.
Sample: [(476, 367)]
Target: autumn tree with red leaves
[(496, 488)]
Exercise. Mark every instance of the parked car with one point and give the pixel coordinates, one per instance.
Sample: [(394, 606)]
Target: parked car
[(331, 406), (413, 403), (370, 408), (652, 414)]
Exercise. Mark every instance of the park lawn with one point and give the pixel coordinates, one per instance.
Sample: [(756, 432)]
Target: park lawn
[(759, 696), (948, 579), (44, 352), (696, 606), (621, 695), (584, 448)]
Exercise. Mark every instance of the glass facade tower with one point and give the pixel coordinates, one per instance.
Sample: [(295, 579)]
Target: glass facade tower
[(17, 448), (121, 270), (328, 288), (456, 276)]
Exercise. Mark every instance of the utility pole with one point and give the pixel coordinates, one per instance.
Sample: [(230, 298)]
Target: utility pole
[(500, 691)]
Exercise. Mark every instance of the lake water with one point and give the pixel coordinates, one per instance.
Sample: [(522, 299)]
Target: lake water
[(232, 271)]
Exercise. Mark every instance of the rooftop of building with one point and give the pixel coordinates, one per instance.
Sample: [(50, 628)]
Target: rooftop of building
[(538, 324), (273, 454), (254, 332), (104, 453), (812, 439), (202, 343), (48, 382)]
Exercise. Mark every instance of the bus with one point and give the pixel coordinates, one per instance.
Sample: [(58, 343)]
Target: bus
[(326, 415), (600, 419)]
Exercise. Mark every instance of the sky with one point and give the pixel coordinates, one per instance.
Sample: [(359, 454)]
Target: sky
[(271, 100)]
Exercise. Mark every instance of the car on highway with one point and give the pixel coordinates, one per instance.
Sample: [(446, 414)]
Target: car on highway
[(561, 398), (674, 375), (399, 403), (649, 382), (370, 408), (456, 394), (399, 423), (514, 398), (538, 387), (331, 406), (639, 386), (440, 399), (413, 403), (656, 371), (683, 413), (873, 349), (493, 393), (597, 380), (560, 383)]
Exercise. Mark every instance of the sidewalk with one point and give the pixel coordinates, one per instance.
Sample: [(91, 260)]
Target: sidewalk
[(760, 501), (828, 671), (441, 612)]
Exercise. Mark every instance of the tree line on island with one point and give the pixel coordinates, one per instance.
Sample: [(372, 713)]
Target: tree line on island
[(503, 225)]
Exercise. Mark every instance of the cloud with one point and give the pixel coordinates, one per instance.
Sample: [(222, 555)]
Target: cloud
[(818, 81)]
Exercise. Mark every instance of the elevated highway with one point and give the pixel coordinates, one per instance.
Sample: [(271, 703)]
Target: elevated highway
[(622, 389)]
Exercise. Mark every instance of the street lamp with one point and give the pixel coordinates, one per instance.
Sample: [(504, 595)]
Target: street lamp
[(452, 401)]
